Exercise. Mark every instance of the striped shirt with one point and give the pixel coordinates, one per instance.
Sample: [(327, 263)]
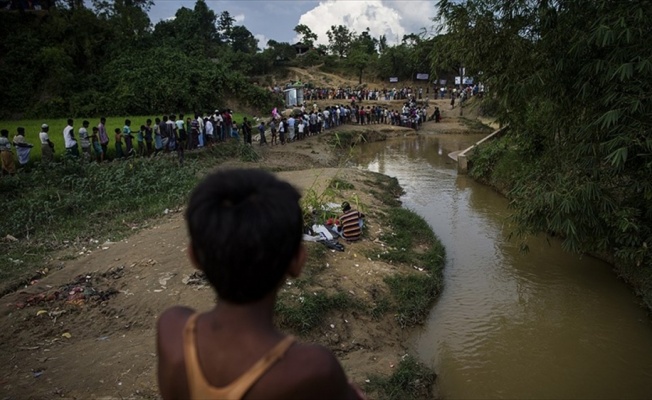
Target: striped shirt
[(350, 221)]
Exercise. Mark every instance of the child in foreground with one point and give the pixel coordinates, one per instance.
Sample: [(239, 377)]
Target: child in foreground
[(234, 351)]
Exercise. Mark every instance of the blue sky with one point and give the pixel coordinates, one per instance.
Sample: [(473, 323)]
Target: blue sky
[(276, 19)]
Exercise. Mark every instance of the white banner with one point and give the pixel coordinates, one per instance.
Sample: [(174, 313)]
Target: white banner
[(393, 79), (423, 77)]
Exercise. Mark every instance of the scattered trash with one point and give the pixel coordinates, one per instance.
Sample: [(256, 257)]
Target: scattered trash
[(37, 373), (163, 280), (10, 238), (103, 338), (40, 312), (78, 292), (67, 335), (332, 326), (198, 278)]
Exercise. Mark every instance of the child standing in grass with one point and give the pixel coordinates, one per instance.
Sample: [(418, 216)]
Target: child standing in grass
[(119, 153), (129, 137), (234, 350)]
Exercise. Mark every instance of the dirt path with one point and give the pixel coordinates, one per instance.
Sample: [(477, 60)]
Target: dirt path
[(87, 330)]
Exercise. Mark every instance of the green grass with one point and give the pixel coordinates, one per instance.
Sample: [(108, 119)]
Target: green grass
[(389, 189), (410, 380), (476, 126), (340, 184), (68, 204), (301, 314), (33, 127), (412, 243)]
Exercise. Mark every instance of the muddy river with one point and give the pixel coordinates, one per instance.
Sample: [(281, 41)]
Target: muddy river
[(544, 325)]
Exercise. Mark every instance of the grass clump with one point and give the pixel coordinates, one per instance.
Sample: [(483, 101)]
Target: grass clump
[(411, 242), (340, 184), (390, 189), (476, 126), (413, 295), (69, 203), (410, 380), (301, 314), (347, 139)]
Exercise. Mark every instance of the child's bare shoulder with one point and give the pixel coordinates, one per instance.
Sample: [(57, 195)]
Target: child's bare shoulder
[(312, 371)]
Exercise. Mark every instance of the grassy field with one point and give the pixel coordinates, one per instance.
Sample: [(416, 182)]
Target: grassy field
[(33, 127)]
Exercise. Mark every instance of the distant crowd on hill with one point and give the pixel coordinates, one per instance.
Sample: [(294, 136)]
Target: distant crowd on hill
[(387, 94)]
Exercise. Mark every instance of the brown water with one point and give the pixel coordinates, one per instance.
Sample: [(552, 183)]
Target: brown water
[(541, 325)]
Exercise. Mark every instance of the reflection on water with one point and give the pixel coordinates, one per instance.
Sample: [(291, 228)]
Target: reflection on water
[(546, 324)]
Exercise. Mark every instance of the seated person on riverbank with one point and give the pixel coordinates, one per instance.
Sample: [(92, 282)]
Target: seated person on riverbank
[(234, 350), (351, 223)]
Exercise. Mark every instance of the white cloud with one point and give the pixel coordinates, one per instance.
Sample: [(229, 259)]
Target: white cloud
[(262, 40), (392, 18), (239, 18)]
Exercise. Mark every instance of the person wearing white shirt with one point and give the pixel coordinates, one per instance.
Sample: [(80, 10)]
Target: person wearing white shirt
[(84, 140), (47, 147), (209, 131), (69, 140)]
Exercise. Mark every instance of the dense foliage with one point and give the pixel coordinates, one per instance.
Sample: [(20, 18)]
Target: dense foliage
[(110, 60), (573, 79)]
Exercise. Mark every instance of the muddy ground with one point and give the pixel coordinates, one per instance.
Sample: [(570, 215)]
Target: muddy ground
[(86, 329)]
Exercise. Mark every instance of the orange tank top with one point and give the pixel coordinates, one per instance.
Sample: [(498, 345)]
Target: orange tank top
[(199, 386)]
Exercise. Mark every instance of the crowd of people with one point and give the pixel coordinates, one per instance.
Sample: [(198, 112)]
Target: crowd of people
[(178, 134), (162, 135)]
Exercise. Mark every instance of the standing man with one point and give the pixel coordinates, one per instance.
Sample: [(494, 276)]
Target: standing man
[(165, 135), (22, 147), (104, 137), (47, 147), (84, 141), (261, 130), (148, 136), (200, 134), (6, 156), (209, 131), (129, 138), (246, 131), (228, 124), (291, 122), (69, 140)]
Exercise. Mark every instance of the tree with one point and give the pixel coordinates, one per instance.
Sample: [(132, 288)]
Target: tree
[(339, 39), (225, 25), (308, 37), (382, 44), (129, 18), (280, 51), (193, 30), (242, 40), (571, 78)]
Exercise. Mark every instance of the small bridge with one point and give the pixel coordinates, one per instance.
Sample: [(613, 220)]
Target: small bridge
[(461, 155)]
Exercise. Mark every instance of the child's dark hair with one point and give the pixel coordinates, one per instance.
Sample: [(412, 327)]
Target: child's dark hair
[(245, 228)]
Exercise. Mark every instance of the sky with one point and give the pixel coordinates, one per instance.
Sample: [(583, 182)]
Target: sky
[(276, 19)]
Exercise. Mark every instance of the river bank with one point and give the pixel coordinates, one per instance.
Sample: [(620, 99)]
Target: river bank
[(355, 302)]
